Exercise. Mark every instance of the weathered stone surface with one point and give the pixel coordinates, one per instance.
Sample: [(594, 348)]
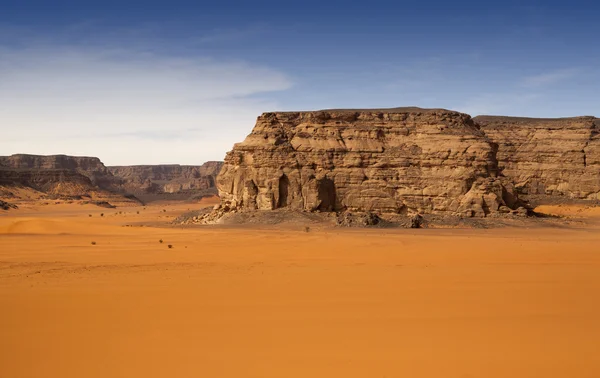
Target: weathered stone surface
[(402, 160), (168, 178), (56, 182), (90, 167), (548, 156), (76, 176)]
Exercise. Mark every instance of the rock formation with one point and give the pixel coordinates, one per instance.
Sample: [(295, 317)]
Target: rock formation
[(555, 157), (90, 167), (71, 176), (56, 182), (58, 176), (401, 160), (171, 179)]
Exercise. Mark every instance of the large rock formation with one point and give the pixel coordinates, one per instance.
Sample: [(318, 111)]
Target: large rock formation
[(58, 175), (55, 182), (555, 157), (72, 176), (400, 160), (90, 167), (168, 178)]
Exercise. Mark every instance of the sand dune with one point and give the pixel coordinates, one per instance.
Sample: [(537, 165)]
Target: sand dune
[(273, 302), (570, 210)]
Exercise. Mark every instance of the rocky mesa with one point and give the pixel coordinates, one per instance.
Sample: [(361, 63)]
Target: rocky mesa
[(63, 176), (56, 175), (400, 160), (548, 157), (144, 180)]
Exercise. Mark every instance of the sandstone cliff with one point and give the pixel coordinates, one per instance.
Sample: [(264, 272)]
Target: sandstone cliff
[(72, 176), (168, 179), (552, 157), (56, 182), (90, 167), (401, 160)]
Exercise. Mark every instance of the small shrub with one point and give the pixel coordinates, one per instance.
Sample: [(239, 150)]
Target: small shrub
[(164, 210), (306, 229), (93, 243), (101, 214), (160, 241), (90, 215), (138, 212), (170, 246)]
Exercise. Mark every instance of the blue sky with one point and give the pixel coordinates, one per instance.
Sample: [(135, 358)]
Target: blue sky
[(181, 81)]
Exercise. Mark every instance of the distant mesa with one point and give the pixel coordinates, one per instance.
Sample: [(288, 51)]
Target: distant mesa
[(73, 177), (182, 182)]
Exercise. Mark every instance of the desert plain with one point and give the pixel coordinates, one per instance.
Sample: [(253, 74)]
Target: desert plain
[(85, 295)]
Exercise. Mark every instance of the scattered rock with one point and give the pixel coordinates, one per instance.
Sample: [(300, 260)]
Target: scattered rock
[(7, 206), (522, 212), (102, 204), (416, 221), (359, 219)]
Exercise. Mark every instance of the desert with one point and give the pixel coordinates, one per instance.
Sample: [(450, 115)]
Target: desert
[(300, 255), (101, 296), (299, 189)]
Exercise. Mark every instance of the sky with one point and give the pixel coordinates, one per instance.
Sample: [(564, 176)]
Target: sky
[(161, 82)]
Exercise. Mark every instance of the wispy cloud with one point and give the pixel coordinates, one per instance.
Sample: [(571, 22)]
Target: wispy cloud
[(549, 78), (498, 103), (119, 102)]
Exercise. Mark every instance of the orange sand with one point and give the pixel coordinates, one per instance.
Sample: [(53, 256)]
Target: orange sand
[(267, 302)]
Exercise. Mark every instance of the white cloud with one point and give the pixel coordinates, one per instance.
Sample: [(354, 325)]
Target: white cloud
[(128, 106), (549, 78), (498, 104)]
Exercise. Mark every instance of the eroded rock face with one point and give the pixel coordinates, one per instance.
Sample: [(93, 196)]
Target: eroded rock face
[(402, 160), (168, 178), (60, 182), (90, 167), (548, 156), (76, 176)]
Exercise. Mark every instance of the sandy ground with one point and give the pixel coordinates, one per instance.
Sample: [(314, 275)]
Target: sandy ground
[(268, 302)]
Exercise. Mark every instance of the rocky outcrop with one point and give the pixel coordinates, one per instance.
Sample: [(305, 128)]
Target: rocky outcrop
[(169, 179), (401, 160), (55, 182), (73, 176), (90, 167), (549, 157)]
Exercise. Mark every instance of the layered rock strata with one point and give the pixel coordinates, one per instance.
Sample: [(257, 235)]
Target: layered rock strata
[(553, 157), (73, 176), (56, 182), (90, 167), (401, 160), (168, 178)]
